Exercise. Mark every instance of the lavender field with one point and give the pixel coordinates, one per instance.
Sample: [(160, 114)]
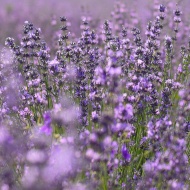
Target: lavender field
[(94, 95)]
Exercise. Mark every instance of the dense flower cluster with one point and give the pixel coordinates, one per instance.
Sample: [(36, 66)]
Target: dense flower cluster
[(106, 110)]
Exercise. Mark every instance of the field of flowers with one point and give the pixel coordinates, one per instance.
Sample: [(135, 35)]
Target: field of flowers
[(105, 108)]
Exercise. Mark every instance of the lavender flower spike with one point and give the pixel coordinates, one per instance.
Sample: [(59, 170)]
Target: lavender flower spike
[(125, 153), (46, 128)]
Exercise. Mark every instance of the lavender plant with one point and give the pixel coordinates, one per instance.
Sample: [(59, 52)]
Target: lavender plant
[(106, 110)]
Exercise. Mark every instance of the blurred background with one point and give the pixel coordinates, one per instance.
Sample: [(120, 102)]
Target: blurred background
[(45, 13)]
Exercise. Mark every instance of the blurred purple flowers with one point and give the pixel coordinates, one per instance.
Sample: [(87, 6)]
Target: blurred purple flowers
[(47, 128), (108, 109)]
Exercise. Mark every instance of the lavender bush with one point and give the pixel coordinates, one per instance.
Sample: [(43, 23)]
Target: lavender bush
[(106, 110)]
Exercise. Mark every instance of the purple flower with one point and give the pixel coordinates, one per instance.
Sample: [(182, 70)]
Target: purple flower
[(114, 59), (162, 8), (124, 112), (46, 128), (125, 153)]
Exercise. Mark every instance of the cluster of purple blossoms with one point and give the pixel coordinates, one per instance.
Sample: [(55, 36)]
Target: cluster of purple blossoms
[(106, 110)]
